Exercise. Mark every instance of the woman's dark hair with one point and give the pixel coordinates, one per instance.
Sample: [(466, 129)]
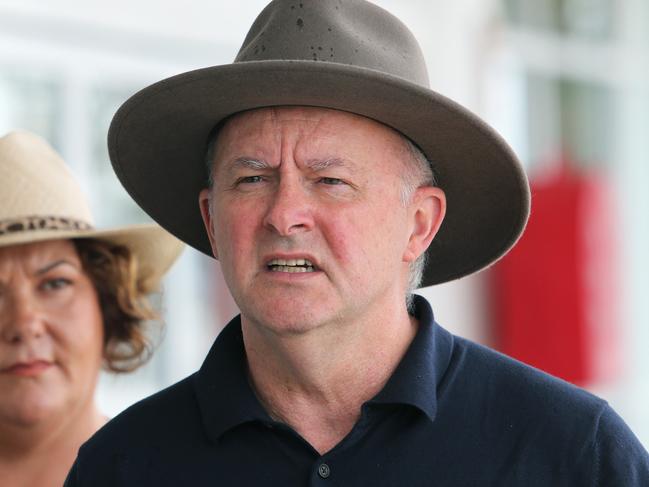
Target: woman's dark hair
[(123, 300)]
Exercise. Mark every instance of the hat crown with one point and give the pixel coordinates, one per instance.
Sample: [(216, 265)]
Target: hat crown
[(36, 182), (345, 55), (351, 32)]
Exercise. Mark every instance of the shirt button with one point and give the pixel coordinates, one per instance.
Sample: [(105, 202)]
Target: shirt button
[(324, 471)]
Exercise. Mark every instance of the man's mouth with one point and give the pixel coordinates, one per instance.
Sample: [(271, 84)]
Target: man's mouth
[(291, 265)]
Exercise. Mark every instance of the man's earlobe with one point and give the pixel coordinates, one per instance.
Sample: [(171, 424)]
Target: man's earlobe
[(204, 202), (427, 212)]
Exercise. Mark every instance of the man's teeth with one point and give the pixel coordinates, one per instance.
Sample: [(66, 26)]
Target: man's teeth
[(291, 265)]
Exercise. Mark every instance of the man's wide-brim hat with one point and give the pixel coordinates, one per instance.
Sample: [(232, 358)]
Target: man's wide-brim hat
[(348, 55), (41, 200)]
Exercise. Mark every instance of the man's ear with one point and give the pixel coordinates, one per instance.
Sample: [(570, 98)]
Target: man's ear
[(204, 204), (426, 213)]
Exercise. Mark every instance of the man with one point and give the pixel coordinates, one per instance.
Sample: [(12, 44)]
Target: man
[(335, 183)]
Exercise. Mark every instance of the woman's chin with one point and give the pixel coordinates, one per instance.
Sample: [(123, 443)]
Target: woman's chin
[(29, 410)]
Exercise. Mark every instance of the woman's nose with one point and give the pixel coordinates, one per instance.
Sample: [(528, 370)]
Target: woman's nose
[(20, 318)]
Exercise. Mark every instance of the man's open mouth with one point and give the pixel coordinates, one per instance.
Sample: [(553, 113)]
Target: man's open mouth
[(291, 265)]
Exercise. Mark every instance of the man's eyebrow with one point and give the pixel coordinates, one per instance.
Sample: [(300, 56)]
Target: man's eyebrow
[(49, 267), (248, 163), (322, 164), (314, 164)]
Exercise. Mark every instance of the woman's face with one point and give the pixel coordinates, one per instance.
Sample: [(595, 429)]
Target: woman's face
[(51, 333)]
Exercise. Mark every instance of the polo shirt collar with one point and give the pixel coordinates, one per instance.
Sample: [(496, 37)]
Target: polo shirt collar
[(417, 377), (224, 395), (227, 400)]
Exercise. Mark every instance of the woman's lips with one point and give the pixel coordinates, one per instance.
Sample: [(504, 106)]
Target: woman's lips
[(28, 369)]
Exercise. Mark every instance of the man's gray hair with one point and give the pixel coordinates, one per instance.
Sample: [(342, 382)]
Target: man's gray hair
[(418, 173)]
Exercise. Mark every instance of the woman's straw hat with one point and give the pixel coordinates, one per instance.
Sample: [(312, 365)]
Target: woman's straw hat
[(41, 200)]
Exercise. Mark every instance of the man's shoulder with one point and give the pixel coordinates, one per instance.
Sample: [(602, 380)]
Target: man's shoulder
[(535, 420), (153, 420), (125, 448), (518, 389)]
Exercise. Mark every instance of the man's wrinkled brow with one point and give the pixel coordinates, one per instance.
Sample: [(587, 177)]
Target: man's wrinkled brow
[(248, 163), (315, 165)]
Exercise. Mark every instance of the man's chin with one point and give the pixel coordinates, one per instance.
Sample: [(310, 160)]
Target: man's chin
[(287, 327), (292, 322)]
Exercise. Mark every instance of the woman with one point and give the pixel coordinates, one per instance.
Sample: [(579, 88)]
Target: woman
[(72, 299)]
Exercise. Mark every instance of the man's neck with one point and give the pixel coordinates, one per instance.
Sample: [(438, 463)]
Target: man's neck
[(317, 381)]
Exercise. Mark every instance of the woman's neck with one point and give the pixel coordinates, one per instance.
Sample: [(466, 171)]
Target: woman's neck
[(41, 454)]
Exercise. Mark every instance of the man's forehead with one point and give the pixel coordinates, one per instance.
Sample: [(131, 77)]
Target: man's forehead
[(272, 117), (291, 113), (324, 123)]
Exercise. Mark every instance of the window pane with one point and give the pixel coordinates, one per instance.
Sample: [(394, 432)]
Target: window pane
[(592, 19), (569, 117), (30, 102), (113, 205)]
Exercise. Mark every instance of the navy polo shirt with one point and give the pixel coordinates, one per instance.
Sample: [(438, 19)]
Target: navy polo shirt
[(453, 414)]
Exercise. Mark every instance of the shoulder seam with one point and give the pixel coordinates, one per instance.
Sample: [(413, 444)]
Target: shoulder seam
[(597, 453)]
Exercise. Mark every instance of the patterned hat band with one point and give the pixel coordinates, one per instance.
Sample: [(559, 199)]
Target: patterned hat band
[(34, 223)]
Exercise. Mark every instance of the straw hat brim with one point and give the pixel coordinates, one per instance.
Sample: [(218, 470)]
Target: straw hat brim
[(154, 249), (157, 142)]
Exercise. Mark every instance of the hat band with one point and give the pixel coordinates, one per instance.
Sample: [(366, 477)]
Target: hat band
[(34, 223)]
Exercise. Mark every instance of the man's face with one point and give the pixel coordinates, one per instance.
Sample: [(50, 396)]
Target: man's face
[(307, 220)]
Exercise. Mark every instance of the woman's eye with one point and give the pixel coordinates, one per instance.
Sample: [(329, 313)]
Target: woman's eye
[(55, 284)]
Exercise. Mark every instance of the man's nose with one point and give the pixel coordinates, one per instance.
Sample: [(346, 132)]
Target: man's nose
[(21, 320), (290, 209)]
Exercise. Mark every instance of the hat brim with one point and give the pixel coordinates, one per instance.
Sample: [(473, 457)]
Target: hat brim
[(157, 142), (153, 247)]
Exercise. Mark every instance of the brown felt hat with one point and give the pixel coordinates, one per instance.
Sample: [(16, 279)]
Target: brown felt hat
[(40, 200), (348, 55)]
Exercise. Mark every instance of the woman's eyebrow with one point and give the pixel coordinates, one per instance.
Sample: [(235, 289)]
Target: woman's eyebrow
[(49, 267)]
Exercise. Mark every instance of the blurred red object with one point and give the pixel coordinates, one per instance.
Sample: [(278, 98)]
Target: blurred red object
[(555, 292)]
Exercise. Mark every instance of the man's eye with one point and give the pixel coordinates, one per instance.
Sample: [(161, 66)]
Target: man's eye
[(332, 181), (55, 284), (250, 180)]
